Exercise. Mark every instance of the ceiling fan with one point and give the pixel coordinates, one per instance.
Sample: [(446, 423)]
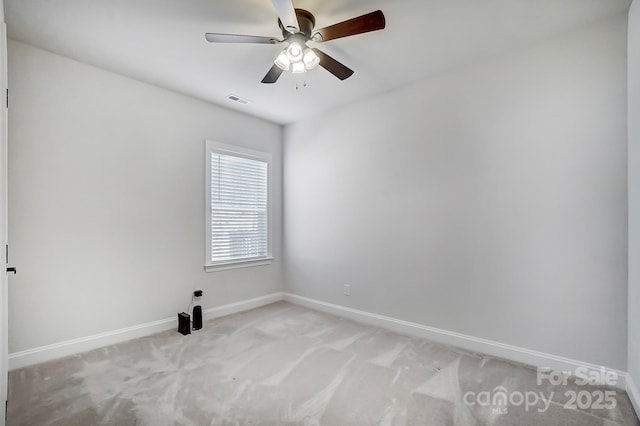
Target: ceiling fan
[(297, 27)]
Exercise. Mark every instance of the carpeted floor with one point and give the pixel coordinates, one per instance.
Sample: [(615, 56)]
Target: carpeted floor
[(284, 364)]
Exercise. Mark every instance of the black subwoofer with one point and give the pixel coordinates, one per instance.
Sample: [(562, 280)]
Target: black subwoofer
[(184, 321)]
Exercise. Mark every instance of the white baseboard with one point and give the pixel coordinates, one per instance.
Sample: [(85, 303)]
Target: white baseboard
[(469, 343), (69, 347), (634, 394), (243, 305)]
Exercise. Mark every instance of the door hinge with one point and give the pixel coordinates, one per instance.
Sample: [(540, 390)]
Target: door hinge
[(7, 98)]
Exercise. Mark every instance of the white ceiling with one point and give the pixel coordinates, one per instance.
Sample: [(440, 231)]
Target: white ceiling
[(162, 42)]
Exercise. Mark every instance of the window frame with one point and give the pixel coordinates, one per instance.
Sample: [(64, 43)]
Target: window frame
[(237, 151)]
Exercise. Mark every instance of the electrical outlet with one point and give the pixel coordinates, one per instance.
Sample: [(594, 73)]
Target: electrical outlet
[(347, 290)]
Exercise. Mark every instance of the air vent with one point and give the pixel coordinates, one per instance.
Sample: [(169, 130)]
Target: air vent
[(238, 99)]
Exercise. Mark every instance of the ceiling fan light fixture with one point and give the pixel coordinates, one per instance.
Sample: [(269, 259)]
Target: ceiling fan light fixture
[(297, 58), (282, 61), (310, 59)]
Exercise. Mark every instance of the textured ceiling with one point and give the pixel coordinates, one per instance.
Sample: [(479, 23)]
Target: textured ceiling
[(162, 42)]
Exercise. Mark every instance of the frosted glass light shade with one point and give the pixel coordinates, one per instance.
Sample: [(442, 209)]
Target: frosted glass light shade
[(298, 68), (310, 59), (294, 52), (282, 61)]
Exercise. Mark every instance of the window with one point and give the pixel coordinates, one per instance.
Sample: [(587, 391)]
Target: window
[(237, 208)]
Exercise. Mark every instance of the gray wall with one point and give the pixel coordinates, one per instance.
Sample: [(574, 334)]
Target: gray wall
[(634, 193), (107, 200), (489, 201)]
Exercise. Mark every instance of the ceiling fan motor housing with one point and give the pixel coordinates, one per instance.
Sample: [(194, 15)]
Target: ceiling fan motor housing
[(306, 22)]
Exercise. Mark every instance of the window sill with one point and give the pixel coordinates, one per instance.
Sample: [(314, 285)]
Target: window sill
[(238, 265)]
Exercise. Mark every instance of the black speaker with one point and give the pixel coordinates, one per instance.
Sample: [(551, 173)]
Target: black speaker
[(184, 325), (197, 317)]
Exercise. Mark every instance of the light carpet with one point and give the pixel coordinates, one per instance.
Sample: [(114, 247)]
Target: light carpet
[(287, 365)]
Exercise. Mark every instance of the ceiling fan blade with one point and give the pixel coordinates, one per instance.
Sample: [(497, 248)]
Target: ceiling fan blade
[(362, 24), (239, 38), (334, 67), (287, 14), (273, 75)]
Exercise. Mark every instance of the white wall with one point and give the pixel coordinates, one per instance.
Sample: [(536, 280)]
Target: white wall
[(107, 200), (489, 201), (634, 195)]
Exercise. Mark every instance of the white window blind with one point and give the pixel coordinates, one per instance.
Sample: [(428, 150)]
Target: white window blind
[(239, 213)]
